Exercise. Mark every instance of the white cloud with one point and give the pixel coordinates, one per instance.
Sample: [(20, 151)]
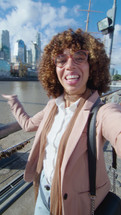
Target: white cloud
[(62, 12), (76, 10), (116, 46), (26, 17), (5, 4), (47, 16), (116, 51), (117, 35)]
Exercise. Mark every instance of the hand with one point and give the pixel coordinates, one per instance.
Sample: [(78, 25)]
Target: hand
[(8, 97)]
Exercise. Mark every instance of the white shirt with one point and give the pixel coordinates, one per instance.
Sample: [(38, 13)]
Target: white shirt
[(60, 123)]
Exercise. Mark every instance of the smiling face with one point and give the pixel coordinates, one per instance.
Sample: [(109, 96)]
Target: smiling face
[(72, 76)]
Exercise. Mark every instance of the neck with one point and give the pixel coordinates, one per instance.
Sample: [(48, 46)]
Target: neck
[(70, 99)]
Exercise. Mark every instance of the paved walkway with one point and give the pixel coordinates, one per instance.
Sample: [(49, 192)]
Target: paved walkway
[(24, 205)]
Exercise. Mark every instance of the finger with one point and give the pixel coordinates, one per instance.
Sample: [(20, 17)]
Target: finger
[(6, 96)]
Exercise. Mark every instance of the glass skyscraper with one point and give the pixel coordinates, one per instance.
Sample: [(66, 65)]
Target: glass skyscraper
[(5, 45), (20, 51)]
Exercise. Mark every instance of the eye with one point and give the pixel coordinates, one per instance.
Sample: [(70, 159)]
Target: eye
[(61, 59), (80, 56)]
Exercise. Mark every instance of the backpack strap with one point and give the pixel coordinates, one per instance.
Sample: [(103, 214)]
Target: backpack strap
[(91, 144)]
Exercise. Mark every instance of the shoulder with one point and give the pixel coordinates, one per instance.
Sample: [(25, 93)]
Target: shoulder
[(50, 104), (109, 110), (110, 107)]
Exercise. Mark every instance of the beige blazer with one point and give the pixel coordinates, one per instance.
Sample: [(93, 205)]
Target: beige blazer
[(74, 170)]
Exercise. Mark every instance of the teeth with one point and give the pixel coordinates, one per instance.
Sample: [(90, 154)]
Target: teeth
[(72, 77)]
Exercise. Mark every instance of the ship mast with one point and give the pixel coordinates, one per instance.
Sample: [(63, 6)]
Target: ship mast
[(87, 22)]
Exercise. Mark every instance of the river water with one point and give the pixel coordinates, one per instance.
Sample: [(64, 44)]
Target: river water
[(33, 99), (30, 93)]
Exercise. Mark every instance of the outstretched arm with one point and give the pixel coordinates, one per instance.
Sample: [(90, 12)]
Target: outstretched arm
[(26, 122), (110, 117)]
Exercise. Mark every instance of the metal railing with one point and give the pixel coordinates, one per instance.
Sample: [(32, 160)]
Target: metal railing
[(8, 194), (9, 151), (8, 129), (15, 185)]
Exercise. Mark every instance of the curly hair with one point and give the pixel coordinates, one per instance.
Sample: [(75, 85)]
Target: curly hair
[(99, 77)]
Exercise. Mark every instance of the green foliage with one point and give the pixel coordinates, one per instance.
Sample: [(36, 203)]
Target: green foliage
[(22, 70), (116, 77)]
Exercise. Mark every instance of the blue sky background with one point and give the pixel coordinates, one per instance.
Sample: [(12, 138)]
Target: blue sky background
[(24, 18)]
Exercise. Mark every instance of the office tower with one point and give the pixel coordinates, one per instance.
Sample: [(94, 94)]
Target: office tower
[(38, 46), (36, 51), (29, 56), (5, 45), (19, 51)]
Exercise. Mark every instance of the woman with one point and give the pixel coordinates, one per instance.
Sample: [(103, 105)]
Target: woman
[(74, 71)]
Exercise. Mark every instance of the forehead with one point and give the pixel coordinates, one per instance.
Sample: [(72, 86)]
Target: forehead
[(64, 50), (69, 51)]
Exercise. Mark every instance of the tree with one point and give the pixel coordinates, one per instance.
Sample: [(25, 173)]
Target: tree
[(116, 77), (22, 70)]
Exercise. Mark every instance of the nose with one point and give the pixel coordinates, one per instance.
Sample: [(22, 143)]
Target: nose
[(70, 63)]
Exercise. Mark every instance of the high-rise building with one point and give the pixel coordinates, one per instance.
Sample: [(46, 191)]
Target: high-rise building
[(5, 45), (113, 71), (1, 55), (34, 54), (29, 56), (19, 54), (36, 51), (38, 46)]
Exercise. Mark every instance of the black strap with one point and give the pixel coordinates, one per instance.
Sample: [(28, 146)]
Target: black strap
[(91, 143)]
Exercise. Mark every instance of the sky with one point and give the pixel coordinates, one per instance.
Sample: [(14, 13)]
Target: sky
[(24, 18)]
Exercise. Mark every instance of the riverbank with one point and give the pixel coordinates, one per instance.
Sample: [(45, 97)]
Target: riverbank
[(18, 78)]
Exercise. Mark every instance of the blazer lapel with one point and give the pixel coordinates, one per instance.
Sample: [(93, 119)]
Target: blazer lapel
[(77, 130)]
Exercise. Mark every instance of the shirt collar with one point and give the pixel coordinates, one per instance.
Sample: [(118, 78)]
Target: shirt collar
[(61, 104)]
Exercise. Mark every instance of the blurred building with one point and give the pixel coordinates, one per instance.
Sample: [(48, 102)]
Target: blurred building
[(113, 71), (38, 47), (1, 55), (19, 54), (36, 51), (29, 57), (4, 68), (5, 46)]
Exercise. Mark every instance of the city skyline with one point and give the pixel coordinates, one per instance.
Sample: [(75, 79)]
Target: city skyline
[(26, 17), (5, 47), (22, 59)]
